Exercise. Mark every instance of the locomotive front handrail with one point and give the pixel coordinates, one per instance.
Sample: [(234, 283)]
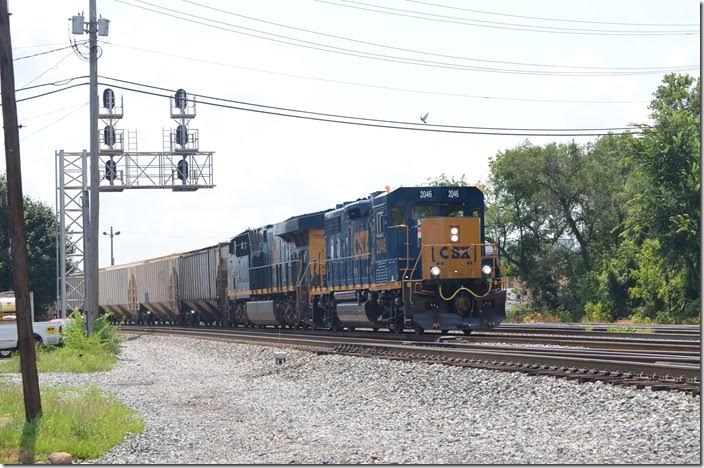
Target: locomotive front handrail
[(409, 279)]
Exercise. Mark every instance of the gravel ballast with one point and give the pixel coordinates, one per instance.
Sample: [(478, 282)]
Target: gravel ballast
[(214, 402)]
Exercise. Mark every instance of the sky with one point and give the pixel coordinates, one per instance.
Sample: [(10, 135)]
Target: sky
[(268, 168)]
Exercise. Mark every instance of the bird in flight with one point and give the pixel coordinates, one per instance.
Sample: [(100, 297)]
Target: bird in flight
[(424, 117)]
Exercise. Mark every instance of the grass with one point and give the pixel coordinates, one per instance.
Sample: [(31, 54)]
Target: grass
[(622, 329), (64, 359), (80, 353), (79, 421)]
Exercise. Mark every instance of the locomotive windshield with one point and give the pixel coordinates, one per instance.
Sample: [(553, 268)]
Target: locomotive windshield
[(421, 211)]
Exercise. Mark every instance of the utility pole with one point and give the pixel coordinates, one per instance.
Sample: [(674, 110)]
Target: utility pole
[(91, 241), (20, 273), (112, 257)]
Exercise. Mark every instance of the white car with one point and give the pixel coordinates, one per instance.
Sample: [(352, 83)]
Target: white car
[(46, 333)]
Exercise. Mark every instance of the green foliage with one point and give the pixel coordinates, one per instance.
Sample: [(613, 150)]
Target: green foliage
[(518, 313), (79, 421), (105, 336), (446, 181), (610, 229), (80, 352), (40, 229)]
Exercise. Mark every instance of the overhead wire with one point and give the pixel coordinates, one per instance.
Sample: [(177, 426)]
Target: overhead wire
[(278, 38), (374, 86), (378, 123), (41, 53), (340, 116), (540, 18), (53, 67), (375, 44), (68, 114), (499, 25)]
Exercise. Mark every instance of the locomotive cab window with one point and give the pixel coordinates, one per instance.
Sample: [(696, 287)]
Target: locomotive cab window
[(452, 211), (397, 216), (422, 211), (380, 224)]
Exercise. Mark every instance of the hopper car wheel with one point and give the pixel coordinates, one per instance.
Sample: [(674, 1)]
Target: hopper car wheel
[(350, 329), (375, 328), (444, 332), (5, 353), (417, 329), (467, 331)]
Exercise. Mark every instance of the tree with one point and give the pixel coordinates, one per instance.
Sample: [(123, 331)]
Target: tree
[(553, 213), (41, 229), (665, 210)]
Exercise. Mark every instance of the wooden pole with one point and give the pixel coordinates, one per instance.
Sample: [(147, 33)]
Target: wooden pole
[(20, 274)]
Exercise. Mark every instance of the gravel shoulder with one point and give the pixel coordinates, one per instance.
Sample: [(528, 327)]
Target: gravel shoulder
[(215, 402)]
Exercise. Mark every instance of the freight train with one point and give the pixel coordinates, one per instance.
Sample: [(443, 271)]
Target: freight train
[(414, 258)]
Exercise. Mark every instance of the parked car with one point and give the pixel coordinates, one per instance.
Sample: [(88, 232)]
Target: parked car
[(45, 333)]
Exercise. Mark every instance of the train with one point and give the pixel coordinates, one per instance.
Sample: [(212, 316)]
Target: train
[(412, 258)]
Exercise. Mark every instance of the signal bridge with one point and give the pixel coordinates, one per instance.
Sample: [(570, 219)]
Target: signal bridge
[(179, 166)]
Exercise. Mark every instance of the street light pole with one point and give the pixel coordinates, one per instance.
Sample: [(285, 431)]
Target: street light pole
[(117, 233)]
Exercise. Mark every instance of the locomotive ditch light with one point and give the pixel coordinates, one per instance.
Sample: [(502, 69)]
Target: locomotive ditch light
[(486, 269), (454, 238), (454, 230), (435, 271)]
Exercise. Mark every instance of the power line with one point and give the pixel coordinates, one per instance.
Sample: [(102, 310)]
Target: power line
[(51, 92), (174, 237), (552, 19), (375, 44), (47, 70), (382, 57), (44, 114), (37, 45), (500, 25), (339, 116), (41, 53), (378, 123), (368, 85), (55, 121)]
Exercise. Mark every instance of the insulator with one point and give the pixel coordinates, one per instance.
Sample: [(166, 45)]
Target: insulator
[(182, 169), (182, 135), (110, 170), (109, 135), (108, 99), (180, 99)]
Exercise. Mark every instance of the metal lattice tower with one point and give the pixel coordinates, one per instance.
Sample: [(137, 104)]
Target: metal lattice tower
[(71, 193)]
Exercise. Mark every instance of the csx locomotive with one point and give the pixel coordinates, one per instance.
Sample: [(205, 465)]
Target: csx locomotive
[(412, 258)]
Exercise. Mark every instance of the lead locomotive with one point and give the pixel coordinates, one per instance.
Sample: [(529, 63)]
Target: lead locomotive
[(413, 258)]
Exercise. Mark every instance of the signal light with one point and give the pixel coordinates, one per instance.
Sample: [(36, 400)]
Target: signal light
[(110, 170), (182, 169)]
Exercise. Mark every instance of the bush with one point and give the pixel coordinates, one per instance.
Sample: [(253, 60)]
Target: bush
[(105, 335), (598, 312), (518, 313)]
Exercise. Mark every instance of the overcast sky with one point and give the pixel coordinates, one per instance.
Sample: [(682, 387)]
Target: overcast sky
[(268, 168)]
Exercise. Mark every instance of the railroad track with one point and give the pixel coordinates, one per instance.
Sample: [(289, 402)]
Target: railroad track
[(648, 332), (667, 370)]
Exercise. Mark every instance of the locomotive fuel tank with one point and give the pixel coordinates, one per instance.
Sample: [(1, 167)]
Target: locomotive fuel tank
[(262, 313)]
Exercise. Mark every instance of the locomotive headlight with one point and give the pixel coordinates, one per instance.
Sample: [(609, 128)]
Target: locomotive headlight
[(435, 271), (454, 230), (486, 269), (454, 238)]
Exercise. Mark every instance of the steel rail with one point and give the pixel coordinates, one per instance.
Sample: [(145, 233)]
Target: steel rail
[(621, 367)]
